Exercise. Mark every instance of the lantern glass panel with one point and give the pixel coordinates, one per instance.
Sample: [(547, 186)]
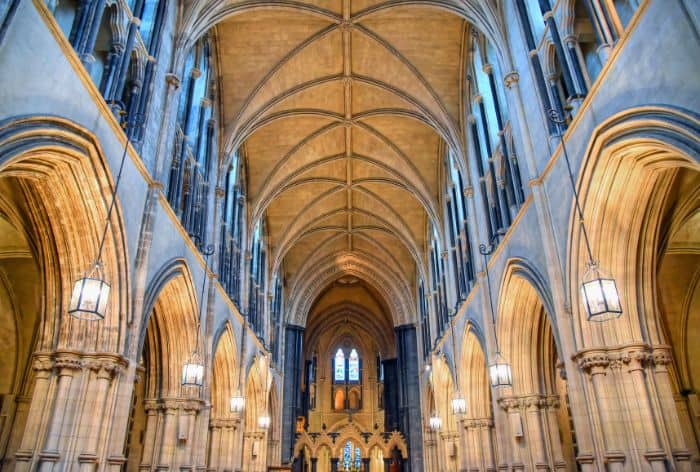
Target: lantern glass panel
[(600, 296), (500, 373), (89, 298)]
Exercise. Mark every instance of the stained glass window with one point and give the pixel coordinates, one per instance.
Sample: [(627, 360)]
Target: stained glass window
[(347, 456), (339, 367), (358, 459), (354, 367)]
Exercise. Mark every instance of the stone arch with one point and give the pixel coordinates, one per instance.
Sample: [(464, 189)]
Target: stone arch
[(473, 374), (525, 335), (656, 151), (57, 168), (642, 148), (170, 328), (224, 372), (538, 398)]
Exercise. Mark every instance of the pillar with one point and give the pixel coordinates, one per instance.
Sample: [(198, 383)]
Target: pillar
[(104, 371), (671, 414), (42, 367), (66, 365)]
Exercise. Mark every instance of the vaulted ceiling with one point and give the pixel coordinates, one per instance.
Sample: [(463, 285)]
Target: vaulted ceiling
[(343, 111)]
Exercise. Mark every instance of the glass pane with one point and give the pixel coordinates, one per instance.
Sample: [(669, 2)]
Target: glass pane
[(148, 19), (339, 375), (354, 367)]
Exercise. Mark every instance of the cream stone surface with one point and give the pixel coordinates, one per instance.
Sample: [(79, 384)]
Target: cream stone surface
[(376, 182)]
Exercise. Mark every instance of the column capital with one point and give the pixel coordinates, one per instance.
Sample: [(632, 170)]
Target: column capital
[(172, 80), (593, 362), (511, 79)]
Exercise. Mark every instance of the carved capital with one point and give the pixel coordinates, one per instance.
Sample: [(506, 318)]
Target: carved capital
[(509, 403), (593, 362), (42, 364), (172, 80), (511, 78), (68, 362), (662, 357)]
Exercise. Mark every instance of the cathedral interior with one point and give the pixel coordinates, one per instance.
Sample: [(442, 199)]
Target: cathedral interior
[(350, 235)]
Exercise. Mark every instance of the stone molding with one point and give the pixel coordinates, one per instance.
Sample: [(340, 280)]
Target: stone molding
[(529, 402), (629, 357)]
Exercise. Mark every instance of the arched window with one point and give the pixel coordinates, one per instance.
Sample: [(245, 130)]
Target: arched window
[(257, 279), (230, 254), (188, 186), (347, 378), (276, 317), (424, 313), (457, 229), (495, 158), (339, 367), (149, 14), (353, 367)]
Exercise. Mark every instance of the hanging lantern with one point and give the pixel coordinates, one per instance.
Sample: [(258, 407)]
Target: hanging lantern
[(90, 296), (435, 422), (237, 403), (264, 422), (459, 404), (600, 296), (500, 372), (193, 372)]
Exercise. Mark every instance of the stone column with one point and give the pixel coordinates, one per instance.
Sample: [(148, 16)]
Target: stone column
[(42, 367), (105, 370), (535, 436), (365, 464), (314, 464), (511, 408), (215, 444), (485, 426), (67, 365), (153, 410), (605, 34), (635, 362), (334, 464), (662, 358), (596, 364), (168, 443), (552, 406)]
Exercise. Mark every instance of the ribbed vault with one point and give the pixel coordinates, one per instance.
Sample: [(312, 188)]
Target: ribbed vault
[(343, 111)]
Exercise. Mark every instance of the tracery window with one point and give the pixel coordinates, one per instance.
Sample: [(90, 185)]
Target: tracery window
[(458, 229), (353, 367), (257, 279), (424, 313), (438, 286), (496, 163), (352, 458), (194, 143), (117, 63), (339, 366), (232, 224), (347, 380)]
